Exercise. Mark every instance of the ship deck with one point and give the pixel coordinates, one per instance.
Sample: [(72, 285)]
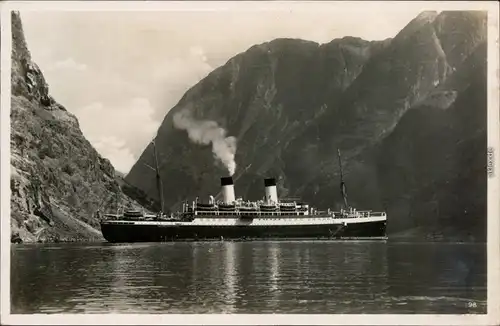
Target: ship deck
[(271, 221)]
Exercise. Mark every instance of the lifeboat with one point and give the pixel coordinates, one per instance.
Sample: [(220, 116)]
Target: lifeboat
[(227, 207), (247, 209), (205, 207), (133, 213), (287, 207), (267, 207)]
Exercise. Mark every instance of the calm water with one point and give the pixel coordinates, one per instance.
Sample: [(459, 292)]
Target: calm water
[(249, 277)]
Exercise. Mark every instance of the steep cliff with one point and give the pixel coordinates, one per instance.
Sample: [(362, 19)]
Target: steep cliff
[(393, 108), (434, 160), (58, 180)]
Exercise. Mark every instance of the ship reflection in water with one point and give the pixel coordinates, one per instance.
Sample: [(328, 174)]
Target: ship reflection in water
[(249, 277)]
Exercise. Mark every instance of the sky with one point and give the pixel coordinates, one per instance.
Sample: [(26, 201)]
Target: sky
[(121, 72)]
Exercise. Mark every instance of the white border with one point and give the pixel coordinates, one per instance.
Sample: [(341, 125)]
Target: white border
[(5, 161), (493, 235), (491, 318)]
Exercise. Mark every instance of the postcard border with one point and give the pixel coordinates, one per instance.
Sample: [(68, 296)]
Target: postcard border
[(180, 319)]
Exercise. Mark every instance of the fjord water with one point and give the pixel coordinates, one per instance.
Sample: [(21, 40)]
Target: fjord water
[(249, 277)]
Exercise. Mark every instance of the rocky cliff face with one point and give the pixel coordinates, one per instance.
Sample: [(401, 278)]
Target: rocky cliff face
[(58, 180), (408, 115)]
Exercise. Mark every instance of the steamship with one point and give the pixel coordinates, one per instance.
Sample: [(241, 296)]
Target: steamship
[(236, 219)]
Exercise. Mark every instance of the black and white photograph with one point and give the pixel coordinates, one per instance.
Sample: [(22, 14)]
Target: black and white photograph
[(267, 162)]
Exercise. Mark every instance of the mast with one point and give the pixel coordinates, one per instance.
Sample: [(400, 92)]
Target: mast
[(343, 190), (117, 199), (159, 184)]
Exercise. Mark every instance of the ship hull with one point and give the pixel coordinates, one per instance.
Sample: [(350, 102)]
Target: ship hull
[(127, 233)]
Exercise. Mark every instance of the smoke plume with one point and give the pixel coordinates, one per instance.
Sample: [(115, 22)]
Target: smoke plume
[(206, 132)]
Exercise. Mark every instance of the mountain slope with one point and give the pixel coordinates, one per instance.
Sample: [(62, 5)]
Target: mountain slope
[(58, 180), (434, 161), (290, 104), (259, 96)]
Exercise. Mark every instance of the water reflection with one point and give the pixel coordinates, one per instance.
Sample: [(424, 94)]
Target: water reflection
[(454, 274), (230, 272), (248, 277), (274, 267)]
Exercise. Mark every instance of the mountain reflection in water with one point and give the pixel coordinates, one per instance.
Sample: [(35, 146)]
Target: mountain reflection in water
[(249, 277)]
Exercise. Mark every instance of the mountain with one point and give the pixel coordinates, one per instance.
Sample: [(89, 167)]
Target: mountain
[(407, 113), (58, 180), (434, 161)]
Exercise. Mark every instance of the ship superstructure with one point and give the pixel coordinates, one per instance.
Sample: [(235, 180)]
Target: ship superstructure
[(268, 208)]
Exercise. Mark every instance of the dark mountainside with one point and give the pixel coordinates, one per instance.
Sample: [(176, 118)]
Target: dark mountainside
[(58, 180), (408, 114)]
